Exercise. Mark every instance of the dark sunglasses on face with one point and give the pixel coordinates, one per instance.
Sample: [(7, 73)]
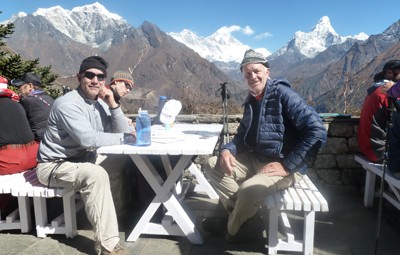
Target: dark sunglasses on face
[(128, 86), (90, 76)]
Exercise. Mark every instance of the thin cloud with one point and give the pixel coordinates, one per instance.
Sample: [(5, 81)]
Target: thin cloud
[(247, 30), (229, 29), (263, 35)]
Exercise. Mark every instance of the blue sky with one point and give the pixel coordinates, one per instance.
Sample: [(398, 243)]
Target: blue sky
[(264, 23)]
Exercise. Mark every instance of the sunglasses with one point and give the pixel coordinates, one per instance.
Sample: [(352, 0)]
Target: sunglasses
[(128, 86), (90, 76)]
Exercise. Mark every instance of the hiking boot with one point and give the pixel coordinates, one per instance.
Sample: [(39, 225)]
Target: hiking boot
[(251, 230), (118, 250), (216, 225)]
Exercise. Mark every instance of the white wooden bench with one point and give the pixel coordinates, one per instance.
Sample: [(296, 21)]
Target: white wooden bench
[(25, 185), (392, 194), (20, 218), (303, 197)]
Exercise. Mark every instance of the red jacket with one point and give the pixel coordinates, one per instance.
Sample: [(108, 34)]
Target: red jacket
[(372, 128), (9, 93)]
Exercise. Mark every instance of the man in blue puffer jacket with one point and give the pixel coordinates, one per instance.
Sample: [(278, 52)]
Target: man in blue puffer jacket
[(278, 134)]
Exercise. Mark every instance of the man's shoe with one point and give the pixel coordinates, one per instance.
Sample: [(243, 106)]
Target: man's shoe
[(118, 250), (216, 225)]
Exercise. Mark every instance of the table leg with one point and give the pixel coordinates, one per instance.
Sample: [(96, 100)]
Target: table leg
[(164, 196), (168, 169), (204, 185)]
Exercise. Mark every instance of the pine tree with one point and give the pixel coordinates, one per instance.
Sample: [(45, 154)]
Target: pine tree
[(13, 65)]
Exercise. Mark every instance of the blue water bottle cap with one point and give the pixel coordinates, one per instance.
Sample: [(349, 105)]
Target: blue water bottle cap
[(143, 112)]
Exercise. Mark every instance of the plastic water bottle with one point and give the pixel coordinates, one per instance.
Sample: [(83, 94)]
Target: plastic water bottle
[(143, 129), (161, 103)]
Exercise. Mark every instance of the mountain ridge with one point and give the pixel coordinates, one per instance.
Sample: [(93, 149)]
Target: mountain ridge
[(316, 63)]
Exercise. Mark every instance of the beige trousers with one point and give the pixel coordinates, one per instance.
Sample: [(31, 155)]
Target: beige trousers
[(93, 183), (243, 192)]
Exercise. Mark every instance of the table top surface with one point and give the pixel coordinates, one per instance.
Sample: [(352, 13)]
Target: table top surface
[(180, 139)]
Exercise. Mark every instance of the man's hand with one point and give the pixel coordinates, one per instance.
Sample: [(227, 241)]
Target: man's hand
[(108, 97), (227, 162), (129, 138), (273, 169)]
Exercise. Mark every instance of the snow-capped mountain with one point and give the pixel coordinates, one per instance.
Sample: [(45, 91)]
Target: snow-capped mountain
[(82, 24), (62, 38), (321, 37), (221, 46)]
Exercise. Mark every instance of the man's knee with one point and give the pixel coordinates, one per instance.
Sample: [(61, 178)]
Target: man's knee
[(210, 164), (95, 174), (253, 192)]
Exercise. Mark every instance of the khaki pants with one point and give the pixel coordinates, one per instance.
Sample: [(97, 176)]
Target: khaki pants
[(243, 192), (93, 183)]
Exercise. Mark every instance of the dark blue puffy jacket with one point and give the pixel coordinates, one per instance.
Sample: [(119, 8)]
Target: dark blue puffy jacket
[(289, 130)]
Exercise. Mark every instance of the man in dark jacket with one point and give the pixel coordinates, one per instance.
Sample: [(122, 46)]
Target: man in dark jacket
[(372, 132), (35, 101), (278, 134), (392, 72)]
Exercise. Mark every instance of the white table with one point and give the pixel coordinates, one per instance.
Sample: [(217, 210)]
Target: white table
[(185, 140)]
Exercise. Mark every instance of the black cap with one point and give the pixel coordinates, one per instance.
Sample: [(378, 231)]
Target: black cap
[(391, 65), (27, 78), (94, 62)]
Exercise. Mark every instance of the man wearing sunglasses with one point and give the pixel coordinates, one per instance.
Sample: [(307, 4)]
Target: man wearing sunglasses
[(121, 84), (78, 124)]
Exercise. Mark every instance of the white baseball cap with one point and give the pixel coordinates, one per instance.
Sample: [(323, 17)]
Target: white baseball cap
[(170, 110)]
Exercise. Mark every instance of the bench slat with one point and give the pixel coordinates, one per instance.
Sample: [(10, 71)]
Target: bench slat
[(322, 201), (306, 203), (289, 203), (316, 206), (297, 201)]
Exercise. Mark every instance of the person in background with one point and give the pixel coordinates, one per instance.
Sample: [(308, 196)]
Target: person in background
[(18, 148), (35, 101), (394, 132), (374, 115), (78, 124), (394, 91), (121, 84), (276, 137)]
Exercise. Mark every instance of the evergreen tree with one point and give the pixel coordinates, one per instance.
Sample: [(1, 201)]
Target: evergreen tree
[(13, 65)]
